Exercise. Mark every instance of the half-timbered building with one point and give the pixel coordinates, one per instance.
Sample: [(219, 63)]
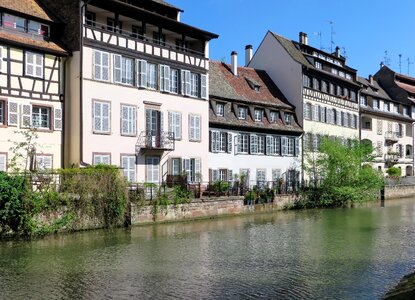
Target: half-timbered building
[(31, 89), (138, 88), (254, 133)]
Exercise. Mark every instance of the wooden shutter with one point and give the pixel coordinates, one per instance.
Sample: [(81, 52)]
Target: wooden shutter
[(29, 64), (142, 73), (203, 86), (38, 65), (12, 114), (105, 66), (105, 117), (2, 162), (229, 143), (57, 119), (97, 65), (198, 169), (284, 145), (125, 114), (164, 78), (117, 68), (297, 147), (26, 111), (268, 147), (97, 116)]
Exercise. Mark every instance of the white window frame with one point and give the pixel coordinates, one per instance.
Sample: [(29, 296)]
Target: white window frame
[(101, 158), (258, 114), (288, 119), (3, 162), (44, 162), (175, 124), (195, 124), (194, 85), (174, 81), (128, 120), (128, 165), (101, 118), (35, 64), (242, 113), (43, 110), (220, 109), (151, 76), (101, 65), (273, 116), (243, 143)]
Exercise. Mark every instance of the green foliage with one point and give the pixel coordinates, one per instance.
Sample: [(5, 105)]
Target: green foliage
[(344, 175), (24, 146), (220, 186), (394, 172)]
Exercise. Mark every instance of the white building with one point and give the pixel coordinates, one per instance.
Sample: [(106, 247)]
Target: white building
[(138, 89), (253, 128), (31, 83)]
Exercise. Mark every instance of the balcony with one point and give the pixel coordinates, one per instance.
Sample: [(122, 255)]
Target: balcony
[(150, 140), (391, 158), (132, 41), (392, 137)]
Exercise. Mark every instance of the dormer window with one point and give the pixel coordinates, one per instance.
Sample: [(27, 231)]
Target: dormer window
[(396, 108), (363, 100), (386, 106), (220, 109), (258, 115), (24, 25), (318, 65), (242, 112), (273, 117), (14, 22), (376, 104), (406, 111), (37, 28), (253, 84), (288, 118)]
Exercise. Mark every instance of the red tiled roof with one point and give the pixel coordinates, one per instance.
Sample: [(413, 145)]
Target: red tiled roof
[(50, 47), (28, 7), (225, 85)]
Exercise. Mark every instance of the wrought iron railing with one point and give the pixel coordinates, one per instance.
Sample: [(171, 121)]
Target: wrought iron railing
[(155, 140)]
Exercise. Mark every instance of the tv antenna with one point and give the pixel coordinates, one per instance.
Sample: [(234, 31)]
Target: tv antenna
[(320, 36), (332, 33), (386, 59), (409, 63), (344, 53), (400, 63)]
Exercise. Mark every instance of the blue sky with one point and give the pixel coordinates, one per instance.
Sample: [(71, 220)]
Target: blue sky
[(365, 29)]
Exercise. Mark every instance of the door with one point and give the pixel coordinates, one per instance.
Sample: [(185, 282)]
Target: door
[(153, 175), (153, 127)]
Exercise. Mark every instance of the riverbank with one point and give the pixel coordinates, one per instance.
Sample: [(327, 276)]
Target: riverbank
[(404, 290)]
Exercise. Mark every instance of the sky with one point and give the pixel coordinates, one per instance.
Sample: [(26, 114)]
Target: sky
[(367, 31)]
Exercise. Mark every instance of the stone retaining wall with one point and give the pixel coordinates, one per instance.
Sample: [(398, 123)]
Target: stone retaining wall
[(204, 208), (399, 191)]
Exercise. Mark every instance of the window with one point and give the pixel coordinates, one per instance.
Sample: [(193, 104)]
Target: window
[(241, 112), (185, 82), (175, 166), (101, 65), (273, 116), (90, 18), (276, 174), (123, 70), (353, 95), (174, 81), (180, 45), (257, 144), (194, 127), (332, 88), (318, 65), (379, 127), (43, 162), (306, 81), (261, 176), (339, 90), (165, 78), (315, 112), (258, 115), (386, 106), (115, 26), (339, 118), (341, 74), (1, 58), (220, 109), (324, 86), (192, 168), (307, 111), (405, 110), (334, 71), (316, 84), (219, 141), (273, 145), (159, 39), (346, 92), (101, 159), (128, 166), (288, 119), (137, 32), (101, 116), (151, 76), (291, 146), (348, 76), (2, 112), (3, 162), (37, 28), (41, 117), (363, 100), (376, 104), (396, 108), (34, 64), (128, 120), (261, 144), (17, 23), (243, 143), (175, 124), (194, 85), (323, 114)]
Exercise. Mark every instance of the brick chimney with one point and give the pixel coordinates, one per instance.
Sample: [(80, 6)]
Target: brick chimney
[(234, 63), (248, 54), (303, 38), (371, 79)]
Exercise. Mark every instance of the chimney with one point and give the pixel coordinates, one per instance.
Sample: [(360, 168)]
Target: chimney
[(248, 54), (338, 51), (303, 38), (371, 79), (234, 63), (382, 64)]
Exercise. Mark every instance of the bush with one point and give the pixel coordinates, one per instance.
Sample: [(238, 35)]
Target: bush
[(394, 172)]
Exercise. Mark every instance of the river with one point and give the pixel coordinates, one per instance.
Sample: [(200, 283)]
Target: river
[(353, 253)]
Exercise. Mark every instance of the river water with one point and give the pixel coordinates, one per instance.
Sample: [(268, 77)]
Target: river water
[(354, 253)]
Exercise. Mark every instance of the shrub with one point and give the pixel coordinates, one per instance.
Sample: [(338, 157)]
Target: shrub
[(394, 172)]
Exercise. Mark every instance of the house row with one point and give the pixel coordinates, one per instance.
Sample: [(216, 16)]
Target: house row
[(127, 83)]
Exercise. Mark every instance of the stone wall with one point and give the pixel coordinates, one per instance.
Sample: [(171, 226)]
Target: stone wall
[(399, 191), (204, 208)]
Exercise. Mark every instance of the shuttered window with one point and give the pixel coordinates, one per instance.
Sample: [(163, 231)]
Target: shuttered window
[(164, 78), (123, 70), (12, 112), (101, 65), (129, 167), (192, 168), (2, 112), (151, 76), (203, 87), (101, 116), (3, 162), (128, 120), (194, 128), (141, 73), (34, 64), (185, 82), (40, 116), (1, 59), (57, 119), (175, 124), (174, 81)]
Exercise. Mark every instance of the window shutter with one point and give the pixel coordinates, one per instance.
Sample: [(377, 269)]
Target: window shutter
[(170, 121), (105, 65), (339, 118), (183, 82), (57, 119), (105, 117), (2, 162), (268, 147), (26, 111), (117, 68), (179, 125), (161, 121), (97, 65), (210, 141), (191, 127), (142, 73), (124, 119), (297, 147), (198, 128), (131, 160), (12, 114), (148, 120), (198, 169), (284, 142), (229, 144), (203, 91), (97, 116), (39, 65), (215, 174), (48, 162), (230, 175), (164, 78), (29, 64), (238, 143), (187, 83), (134, 120)]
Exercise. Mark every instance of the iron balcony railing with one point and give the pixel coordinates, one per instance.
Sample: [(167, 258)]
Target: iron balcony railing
[(392, 136), (155, 140)]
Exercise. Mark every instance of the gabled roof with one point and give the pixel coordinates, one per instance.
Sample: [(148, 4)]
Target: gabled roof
[(27, 7), (373, 88), (292, 50), (164, 3), (223, 84)]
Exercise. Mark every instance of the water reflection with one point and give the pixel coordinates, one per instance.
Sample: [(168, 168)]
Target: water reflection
[(353, 253)]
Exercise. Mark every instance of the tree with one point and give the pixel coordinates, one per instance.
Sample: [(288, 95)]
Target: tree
[(344, 172)]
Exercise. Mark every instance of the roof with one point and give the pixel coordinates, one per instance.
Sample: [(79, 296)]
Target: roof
[(27, 7), (373, 89), (29, 42), (223, 84), (292, 50), (164, 3)]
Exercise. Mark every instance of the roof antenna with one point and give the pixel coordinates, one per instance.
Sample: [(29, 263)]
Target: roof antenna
[(400, 63), (344, 52), (331, 36), (320, 36), (386, 59), (409, 63)]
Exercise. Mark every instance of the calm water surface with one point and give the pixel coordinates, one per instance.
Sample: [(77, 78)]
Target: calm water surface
[(356, 253)]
